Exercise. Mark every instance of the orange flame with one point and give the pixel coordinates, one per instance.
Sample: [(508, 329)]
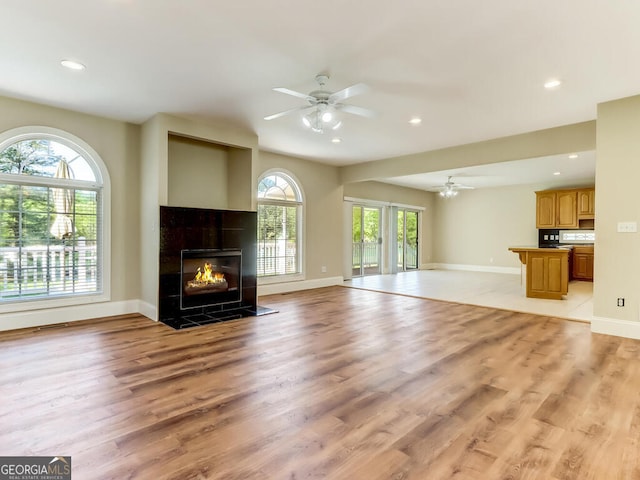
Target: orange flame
[(208, 276)]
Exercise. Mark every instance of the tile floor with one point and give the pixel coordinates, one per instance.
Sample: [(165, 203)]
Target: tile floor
[(499, 290)]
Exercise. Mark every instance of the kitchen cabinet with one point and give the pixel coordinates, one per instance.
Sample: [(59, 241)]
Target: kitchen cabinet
[(586, 203), (556, 209), (545, 209), (564, 208), (547, 271), (567, 213), (583, 263)]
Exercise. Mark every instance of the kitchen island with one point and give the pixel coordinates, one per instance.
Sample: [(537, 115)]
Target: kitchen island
[(547, 271)]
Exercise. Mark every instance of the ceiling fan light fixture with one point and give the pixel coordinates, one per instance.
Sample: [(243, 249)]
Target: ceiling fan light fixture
[(448, 193), (327, 106), (320, 119)]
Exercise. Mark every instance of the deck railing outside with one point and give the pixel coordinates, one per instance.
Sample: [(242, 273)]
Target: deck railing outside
[(277, 257), (367, 255), (42, 270)]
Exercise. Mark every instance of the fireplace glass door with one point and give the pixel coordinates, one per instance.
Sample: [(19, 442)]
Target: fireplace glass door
[(210, 277)]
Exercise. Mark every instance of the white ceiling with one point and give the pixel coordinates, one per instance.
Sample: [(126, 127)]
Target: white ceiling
[(472, 70), (552, 171)]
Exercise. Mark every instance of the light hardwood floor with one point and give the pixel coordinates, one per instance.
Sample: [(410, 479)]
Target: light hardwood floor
[(342, 383)]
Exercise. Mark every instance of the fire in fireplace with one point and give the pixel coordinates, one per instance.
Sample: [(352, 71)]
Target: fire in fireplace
[(205, 281), (210, 277)]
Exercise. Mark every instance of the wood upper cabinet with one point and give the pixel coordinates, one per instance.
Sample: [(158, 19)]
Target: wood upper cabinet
[(564, 208), (545, 209), (586, 203)]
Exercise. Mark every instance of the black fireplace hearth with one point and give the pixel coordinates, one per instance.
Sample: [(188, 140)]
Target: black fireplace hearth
[(207, 266)]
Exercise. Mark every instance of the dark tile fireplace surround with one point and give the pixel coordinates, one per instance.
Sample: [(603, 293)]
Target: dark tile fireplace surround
[(207, 266)]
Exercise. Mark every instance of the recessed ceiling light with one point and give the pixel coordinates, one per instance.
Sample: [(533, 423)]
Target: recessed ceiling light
[(556, 173), (573, 155), (72, 65), (552, 84), (415, 121), (336, 140)]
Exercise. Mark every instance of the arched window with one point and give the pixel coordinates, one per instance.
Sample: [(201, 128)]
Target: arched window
[(52, 191), (279, 225)]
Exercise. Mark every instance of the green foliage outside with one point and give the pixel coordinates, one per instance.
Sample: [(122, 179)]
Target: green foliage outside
[(412, 227), (277, 222), (30, 157), (367, 231)]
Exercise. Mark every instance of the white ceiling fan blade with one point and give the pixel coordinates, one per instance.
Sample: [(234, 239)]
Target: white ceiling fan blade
[(357, 89), (293, 93), (363, 112), (286, 112)]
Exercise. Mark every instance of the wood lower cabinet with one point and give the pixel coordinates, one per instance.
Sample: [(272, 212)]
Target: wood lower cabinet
[(547, 271), (583, 263)]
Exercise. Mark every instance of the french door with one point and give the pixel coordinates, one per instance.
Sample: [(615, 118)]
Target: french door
[(366, 247), (407, 241)]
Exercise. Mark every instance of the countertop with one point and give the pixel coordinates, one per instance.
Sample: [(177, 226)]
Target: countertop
[(544, 249)]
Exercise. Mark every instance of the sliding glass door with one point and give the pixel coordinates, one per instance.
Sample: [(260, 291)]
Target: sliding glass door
[(366, 246), (407, 239)]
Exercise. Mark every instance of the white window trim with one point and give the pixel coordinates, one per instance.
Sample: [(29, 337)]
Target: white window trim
[(9, 137), (291, 277)]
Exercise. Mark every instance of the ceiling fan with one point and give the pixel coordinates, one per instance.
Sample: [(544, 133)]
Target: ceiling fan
[(450, 189), (325, 104)]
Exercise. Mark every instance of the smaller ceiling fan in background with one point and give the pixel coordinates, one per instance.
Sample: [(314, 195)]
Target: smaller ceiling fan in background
[(325, 105), (450, 188)]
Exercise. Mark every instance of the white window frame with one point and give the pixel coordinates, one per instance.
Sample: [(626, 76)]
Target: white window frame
[(92, 157), (289, 277)]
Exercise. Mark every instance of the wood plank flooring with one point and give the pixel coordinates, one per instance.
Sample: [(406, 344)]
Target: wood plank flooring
[(340, 384)]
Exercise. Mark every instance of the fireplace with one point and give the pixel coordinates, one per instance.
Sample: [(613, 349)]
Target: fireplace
[(210, 277), (207, 266)]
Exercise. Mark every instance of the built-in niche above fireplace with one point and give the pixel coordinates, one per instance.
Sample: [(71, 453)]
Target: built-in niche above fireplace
[(207, 265)]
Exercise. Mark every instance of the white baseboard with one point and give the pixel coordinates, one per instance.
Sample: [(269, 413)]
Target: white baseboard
[(615, 327), (50, 316), (148, 310), (472, 268), (275, 288)]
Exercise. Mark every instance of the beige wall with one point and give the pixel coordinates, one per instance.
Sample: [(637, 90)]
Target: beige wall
[(197, 173), (478, 226), (617, 255), (322, 192), (118, 144)]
